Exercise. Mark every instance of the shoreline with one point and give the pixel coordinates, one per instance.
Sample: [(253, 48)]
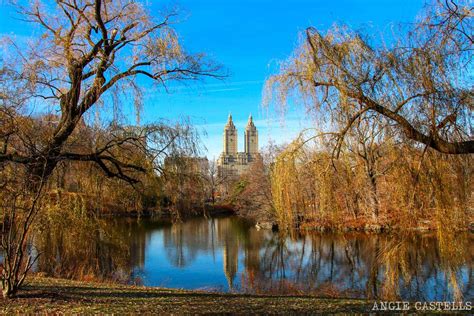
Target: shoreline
[(362, 225), (218, 211), (48, 295), (53, 295), (209, 210)]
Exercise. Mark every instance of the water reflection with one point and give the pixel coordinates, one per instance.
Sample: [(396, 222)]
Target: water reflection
[(229, 254)]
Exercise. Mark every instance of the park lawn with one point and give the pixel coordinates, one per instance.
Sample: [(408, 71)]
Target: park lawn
[(50, 295)]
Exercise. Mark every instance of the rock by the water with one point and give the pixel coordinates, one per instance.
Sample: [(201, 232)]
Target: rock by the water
[(264, 225)]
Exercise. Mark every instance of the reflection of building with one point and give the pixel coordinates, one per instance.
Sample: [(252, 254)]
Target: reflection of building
[(230, 256), (231, 162), (228, 239), (252, 252)]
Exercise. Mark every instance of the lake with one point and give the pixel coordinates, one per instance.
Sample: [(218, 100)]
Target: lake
[(229, 254)]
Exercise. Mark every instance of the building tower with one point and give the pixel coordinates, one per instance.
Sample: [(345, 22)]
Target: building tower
[(230, 137), (231, 162), (251, 138)]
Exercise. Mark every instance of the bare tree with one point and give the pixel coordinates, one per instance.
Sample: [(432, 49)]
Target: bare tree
[(18, 208), (213, 180), (185, 184), (369, 142), (88, 50), (253, 196), (218, 182), (89, 55)]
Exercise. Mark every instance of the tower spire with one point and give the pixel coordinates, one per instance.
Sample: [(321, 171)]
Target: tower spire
[(230, 123), (250, 121)]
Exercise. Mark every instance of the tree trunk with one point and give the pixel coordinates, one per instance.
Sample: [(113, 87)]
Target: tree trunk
[(374, 194), (9, 290)]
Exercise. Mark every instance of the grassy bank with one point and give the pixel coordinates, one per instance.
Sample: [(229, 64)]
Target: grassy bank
[(48, 295)]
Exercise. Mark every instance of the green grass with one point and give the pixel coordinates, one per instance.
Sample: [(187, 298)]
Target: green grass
[(48, 295)]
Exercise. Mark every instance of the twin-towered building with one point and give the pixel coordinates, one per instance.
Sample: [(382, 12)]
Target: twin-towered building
[(234, 163)]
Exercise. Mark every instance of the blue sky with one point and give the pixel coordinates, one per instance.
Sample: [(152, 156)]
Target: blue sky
[(248, 38)]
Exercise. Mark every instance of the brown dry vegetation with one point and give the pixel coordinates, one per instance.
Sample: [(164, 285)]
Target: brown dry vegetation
[(416, 189), (83, 67), (393, 144), (252, 196)]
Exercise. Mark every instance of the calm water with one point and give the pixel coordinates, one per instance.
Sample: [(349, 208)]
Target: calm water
[(228, 254)]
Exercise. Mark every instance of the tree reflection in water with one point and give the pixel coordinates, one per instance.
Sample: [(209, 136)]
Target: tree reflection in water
[(230, 254), (75, 245)]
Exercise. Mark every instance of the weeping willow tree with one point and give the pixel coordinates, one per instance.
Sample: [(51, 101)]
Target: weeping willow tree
[(90, 57), (306, 188), (397, 121), (286, 188), (421, 83)]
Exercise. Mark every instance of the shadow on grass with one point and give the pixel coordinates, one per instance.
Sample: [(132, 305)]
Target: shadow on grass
[(80, 292), (63, 297)]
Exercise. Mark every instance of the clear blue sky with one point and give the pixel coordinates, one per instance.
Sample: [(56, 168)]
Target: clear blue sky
[(248, 37)]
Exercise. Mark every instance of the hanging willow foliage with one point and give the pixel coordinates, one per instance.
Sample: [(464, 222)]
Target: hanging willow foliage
[(286, 189)]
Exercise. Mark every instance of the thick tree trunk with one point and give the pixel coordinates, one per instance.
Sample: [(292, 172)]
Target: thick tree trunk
[(374, 196), (9, 290), (44, 163)]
